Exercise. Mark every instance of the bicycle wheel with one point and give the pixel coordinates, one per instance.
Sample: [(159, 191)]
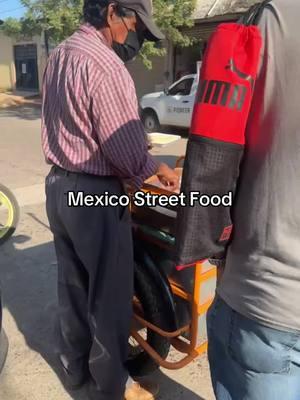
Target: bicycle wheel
[(140, 363)]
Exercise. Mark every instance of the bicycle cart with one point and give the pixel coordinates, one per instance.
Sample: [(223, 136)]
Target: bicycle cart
[(170, 303)]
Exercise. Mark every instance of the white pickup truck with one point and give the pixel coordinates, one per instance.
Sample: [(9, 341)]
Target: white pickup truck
[(173, 107)]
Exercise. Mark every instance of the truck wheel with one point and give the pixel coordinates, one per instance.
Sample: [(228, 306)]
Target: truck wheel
[(139, 362), (150, 121)]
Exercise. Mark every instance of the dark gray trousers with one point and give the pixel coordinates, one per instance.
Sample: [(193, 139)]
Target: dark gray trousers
[(95, 281)]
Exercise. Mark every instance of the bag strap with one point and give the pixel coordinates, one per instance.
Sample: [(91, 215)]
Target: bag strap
[(254, 14)]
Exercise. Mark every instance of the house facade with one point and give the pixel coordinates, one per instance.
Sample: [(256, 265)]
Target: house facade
[(22, 63)]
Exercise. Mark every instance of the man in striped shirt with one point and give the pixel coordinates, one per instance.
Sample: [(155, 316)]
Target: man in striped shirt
[(95, 141)]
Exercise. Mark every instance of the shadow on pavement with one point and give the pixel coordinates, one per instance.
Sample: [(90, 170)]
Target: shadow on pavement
[(29, 292), (170, 389), (29, 278), (28, 112), (173, 130)]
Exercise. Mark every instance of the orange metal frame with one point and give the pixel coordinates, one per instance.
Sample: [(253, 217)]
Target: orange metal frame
[(189, 348)]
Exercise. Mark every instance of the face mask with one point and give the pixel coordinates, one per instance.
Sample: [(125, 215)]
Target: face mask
[(130, 49)]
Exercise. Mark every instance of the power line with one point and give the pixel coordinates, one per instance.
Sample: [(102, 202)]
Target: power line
[(212, 8), (14, 9)]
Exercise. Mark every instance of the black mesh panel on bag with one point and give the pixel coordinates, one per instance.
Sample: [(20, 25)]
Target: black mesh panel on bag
[(211, 168)]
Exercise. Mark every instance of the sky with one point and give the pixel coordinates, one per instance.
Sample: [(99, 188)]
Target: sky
[(10, 8)]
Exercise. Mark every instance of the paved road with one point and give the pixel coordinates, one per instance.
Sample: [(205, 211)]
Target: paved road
[(21, 161), (28, 275)]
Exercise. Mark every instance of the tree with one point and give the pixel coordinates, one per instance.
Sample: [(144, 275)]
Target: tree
[(60, 18)]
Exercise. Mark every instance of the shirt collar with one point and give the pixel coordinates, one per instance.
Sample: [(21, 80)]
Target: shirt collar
[(91, 30), (95, 33)]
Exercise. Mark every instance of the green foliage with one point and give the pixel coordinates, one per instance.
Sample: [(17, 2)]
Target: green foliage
[(11, 27), (170, 16), (60, 18)]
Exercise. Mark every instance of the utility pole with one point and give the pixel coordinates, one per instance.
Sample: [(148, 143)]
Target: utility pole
[(46, 33), (46, 41)]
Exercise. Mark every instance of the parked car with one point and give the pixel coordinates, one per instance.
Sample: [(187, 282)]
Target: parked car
[(3, 340), (173, 107)]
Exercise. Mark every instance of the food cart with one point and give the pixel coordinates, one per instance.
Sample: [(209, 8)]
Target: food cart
[(171, 303)]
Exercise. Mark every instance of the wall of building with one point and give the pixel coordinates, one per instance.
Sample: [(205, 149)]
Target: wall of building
[(41, 54), (186, 59), (7, 62), (7, 68), (147, 81)]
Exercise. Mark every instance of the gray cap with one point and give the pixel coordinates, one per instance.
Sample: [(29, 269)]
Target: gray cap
[(144, 10)]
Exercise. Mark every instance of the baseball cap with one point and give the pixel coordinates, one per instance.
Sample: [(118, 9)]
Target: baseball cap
[(144, 10)]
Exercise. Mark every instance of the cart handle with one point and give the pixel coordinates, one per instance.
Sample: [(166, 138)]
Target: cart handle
[(179, 161)]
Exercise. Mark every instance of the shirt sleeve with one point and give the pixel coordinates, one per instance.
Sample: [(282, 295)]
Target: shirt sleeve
[(120, 131)]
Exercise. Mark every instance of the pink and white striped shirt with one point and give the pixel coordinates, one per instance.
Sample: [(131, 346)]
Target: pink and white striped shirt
[(90, 120)]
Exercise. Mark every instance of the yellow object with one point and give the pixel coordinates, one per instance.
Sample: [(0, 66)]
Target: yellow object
[(8, 209)]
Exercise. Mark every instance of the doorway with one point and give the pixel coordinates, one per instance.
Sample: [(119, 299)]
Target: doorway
[(26, 67)]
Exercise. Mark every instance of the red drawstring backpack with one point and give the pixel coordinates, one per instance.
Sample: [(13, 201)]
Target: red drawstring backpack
[(217, 137)]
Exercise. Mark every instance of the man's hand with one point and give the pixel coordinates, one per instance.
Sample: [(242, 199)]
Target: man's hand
[(168, 177)]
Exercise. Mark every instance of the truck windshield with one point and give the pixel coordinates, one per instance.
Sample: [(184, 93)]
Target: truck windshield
[(183, 88)]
